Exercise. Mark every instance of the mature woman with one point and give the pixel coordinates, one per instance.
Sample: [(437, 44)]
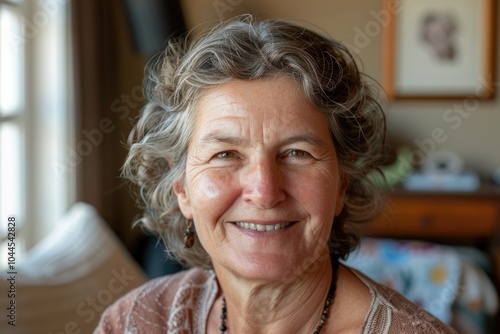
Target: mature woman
[(251, 159)]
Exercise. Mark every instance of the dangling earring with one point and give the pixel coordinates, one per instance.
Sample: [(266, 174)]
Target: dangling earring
[(189, 235)]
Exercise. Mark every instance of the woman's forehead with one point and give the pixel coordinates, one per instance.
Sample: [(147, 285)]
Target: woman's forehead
[(257, 108)]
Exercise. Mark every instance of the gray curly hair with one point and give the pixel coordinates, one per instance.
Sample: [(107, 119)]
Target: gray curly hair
[(247, 49)]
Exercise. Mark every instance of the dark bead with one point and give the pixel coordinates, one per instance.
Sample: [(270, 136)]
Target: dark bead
[(222, 328), (189, 239)]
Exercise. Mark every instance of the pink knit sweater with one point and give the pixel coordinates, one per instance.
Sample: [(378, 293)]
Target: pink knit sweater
[(180, 303)]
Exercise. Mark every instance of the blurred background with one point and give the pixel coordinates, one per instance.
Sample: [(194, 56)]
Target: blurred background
[(71, 74)]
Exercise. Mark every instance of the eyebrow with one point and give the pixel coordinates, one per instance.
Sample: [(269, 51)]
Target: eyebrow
[(308, 138)]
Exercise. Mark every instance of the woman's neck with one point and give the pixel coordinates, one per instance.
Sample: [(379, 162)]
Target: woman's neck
[(285, 306)]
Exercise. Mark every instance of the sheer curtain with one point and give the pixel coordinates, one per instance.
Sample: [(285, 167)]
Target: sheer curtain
[(94, 75), (108, 95), (35, 117)]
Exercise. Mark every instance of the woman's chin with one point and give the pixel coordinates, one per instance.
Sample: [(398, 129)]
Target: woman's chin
[(271, 268)]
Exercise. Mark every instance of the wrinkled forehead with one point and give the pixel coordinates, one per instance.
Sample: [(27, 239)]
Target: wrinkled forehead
[(258, 109), (267, 95)]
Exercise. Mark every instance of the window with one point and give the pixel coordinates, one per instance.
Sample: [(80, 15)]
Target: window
[(35, 118)]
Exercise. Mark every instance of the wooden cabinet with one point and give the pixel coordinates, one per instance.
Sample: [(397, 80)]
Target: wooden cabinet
[(440, 215), (457, 218)]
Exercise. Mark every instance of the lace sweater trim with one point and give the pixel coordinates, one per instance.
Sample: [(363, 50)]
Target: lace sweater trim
[(180, 303)]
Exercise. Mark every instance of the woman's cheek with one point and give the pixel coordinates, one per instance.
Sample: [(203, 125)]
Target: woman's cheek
[(214, 190), (306, 188)]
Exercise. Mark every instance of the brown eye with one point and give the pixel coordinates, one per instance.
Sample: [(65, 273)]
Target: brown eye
[(297, 153), (225, 155)]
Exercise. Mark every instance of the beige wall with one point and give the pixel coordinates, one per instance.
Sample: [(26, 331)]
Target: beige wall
[(477, 139)]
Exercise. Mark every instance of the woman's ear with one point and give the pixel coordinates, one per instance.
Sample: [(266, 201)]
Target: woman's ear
[(183, 199)]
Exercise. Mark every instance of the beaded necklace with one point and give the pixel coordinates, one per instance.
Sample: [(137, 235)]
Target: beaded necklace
[(324, 314)]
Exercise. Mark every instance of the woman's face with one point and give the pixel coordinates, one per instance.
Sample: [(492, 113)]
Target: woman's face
[(262, 181)]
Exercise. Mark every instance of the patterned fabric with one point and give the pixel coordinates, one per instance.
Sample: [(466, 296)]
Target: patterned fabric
[(445, 281), (426, 274), (180, 304)]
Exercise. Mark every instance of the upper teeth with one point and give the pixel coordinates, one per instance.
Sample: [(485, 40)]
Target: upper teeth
[(259, 227)]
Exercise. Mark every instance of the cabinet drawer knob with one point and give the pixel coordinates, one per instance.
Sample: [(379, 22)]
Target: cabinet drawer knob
[(426, 220)]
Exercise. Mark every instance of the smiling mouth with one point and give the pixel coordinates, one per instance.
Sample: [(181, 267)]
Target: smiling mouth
[(263, 228)]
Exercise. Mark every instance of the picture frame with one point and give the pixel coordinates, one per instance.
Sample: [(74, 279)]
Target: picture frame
[(439, 49)]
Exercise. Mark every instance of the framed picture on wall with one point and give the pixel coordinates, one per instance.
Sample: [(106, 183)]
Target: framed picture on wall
[(439, 49)]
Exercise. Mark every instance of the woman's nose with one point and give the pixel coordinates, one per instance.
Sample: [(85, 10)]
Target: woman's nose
[(262, 184)]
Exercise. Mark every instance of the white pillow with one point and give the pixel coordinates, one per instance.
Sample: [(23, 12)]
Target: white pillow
[(70, 277)]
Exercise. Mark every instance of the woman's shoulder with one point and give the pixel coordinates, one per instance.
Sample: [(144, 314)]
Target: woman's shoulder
[(161, 304), (390, 313)]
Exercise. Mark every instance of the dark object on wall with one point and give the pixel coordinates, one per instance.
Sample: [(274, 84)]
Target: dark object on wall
[(153, 22), (495, 177)]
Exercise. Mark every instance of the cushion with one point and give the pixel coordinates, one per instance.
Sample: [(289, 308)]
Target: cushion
[(65, 282)]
